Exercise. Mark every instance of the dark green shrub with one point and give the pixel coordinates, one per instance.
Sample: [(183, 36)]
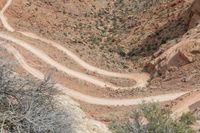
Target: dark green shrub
[(188, 118), (159, 121)]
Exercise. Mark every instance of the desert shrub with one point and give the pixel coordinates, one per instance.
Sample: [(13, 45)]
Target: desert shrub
[(188, 118), (28, 106), (158, 121), (120, 51), (140, 5)]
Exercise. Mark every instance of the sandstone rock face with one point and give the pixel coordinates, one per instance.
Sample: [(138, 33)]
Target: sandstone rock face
[(2, 2), (178, 55), (78, 121), (195, 16), (182, 53)]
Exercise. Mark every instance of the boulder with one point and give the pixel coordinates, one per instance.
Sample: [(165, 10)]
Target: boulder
[(176, 56), (195, 14)]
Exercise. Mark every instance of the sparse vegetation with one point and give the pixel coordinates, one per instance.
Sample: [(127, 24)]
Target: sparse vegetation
[(117, 19), (188, 118), (104, 26), (121, 38), (155, 120)]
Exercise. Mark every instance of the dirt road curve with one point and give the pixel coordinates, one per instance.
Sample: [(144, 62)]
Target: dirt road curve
[(40, 54), (140, 78), (74, 94), (89, 99), (4, 19), (184, 102)]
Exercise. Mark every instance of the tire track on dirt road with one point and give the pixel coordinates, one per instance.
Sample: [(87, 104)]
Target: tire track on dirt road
[(40, 54), (74, 94), (4, 19), (140, 78), (89, 99)]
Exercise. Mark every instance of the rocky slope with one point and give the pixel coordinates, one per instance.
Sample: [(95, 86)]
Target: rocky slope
[(182, 53), (185, 51), (112, 32), (77, 120), (161, 37)]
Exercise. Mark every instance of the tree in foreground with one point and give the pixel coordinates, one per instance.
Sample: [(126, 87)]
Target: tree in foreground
[(28, 106)]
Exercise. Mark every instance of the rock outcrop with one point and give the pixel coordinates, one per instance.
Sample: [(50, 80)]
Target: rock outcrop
[(195, 14), (78, 121), (176, 56)]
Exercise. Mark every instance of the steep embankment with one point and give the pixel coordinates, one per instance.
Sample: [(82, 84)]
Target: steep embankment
[(177, 54), (108, 34), (184, 103), (195, 14), (181, 58)]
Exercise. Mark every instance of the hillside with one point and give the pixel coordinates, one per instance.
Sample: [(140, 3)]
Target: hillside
[(109, 56), (110, 32)]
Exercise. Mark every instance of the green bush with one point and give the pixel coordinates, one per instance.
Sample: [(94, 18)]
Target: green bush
[(117, 127), (188, 118), (159, 121)]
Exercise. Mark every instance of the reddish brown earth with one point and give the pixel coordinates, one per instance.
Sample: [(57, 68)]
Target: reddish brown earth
[(163, 40), (186, 103), (2, 3), (29, 16)]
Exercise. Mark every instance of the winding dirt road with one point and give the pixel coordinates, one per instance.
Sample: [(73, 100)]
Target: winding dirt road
[(71, 92), (89, 99), (4, 19), (40, 54), (184, 102), (140, 78)]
